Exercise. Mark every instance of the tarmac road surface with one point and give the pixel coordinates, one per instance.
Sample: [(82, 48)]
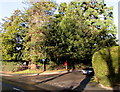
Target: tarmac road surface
[(50, 82), (10, 86)]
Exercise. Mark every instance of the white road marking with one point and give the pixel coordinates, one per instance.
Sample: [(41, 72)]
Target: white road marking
[(18, 89)]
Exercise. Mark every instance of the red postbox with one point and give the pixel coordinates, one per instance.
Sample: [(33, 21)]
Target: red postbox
[(65, 63)]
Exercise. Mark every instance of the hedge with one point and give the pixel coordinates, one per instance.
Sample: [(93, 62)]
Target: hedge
[(106, 64), (10, 66)]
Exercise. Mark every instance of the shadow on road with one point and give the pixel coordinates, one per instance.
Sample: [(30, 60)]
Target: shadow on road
[(49, 79), (83, 83), (13, 86)]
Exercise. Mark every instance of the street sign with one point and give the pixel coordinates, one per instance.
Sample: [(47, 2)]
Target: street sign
[(43, 60)]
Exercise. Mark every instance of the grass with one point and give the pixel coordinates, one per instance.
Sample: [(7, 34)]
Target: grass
[(10, 66), (37, 71), (28, 71)]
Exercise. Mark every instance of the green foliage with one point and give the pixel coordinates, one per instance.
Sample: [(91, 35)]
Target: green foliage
[(106, 64), (0, 47), (78, 30), (73, 34), (35, 17), (10, 66), (11, 37)]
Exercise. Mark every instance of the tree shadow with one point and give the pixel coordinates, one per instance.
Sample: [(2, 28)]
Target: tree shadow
[(83, 84), (49, 79), (112, 76)]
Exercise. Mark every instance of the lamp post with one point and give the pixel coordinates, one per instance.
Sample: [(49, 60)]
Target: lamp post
[(44, 66)]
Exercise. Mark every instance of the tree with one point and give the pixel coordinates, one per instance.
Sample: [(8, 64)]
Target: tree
[(80, 29), (99, 20), (74, 34), (11, 37), (0, 47), (35, 17)]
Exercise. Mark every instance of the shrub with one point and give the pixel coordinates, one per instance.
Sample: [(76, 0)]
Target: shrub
[(10, 66), (106, 64)]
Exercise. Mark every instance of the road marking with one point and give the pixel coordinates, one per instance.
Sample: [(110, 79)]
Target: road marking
[(18, 89)]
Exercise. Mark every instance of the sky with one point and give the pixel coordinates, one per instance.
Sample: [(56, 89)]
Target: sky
[(7, 7)]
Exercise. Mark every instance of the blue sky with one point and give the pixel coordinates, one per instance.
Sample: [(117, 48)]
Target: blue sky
[(7, 7)]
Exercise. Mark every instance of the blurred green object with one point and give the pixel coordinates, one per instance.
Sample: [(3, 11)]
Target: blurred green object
[(106, 64)]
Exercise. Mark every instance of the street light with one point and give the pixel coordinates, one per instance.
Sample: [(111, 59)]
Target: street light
[(44, 66)]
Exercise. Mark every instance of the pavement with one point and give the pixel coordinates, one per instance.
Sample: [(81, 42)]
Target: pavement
[(33, 74), (57, 80)]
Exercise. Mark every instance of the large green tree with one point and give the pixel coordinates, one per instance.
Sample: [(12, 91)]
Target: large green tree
[(11, 37), (35, 17), (73, 34), (80, 29)]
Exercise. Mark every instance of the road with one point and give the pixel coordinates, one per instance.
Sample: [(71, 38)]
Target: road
[(13, 86), (54, 82), (42, 82)]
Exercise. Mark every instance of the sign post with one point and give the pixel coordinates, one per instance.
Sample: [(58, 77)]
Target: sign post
[(44, 66), (66, 65)]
